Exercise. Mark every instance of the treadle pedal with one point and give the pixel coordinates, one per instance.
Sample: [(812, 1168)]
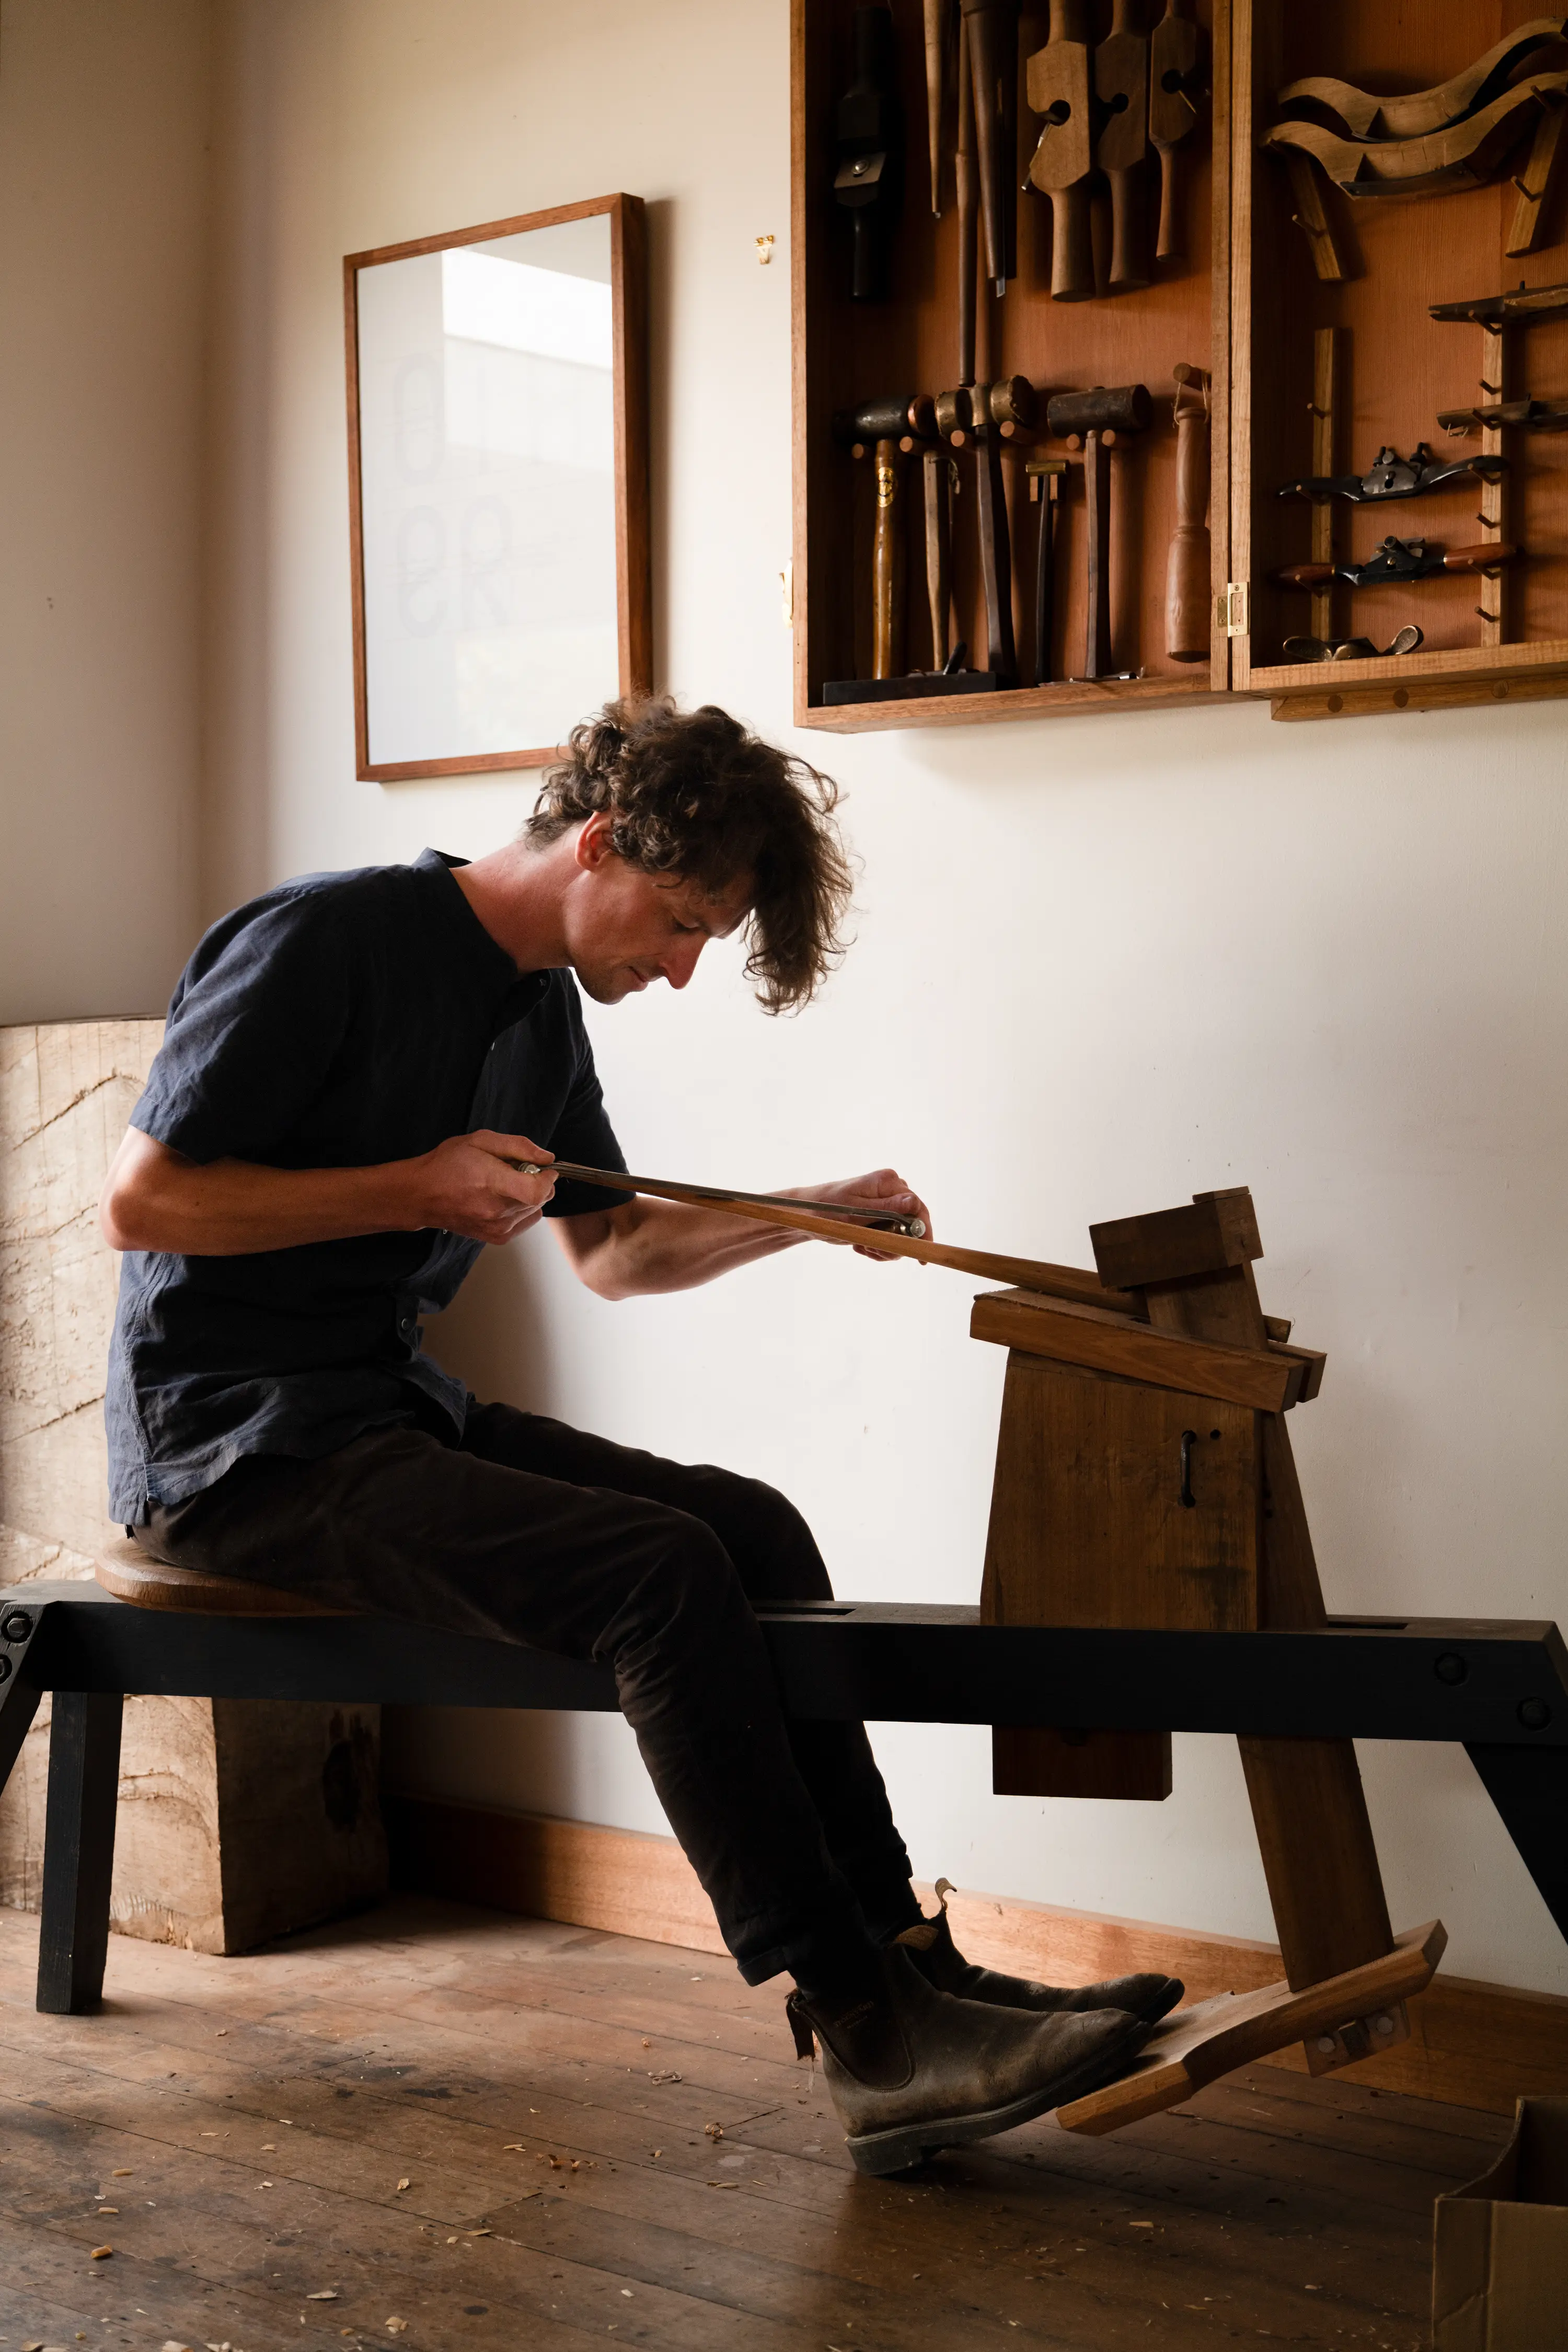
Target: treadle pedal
[(1196, 2045)]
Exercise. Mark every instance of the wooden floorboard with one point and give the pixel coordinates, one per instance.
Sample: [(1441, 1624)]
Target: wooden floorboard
[(599, 2137)]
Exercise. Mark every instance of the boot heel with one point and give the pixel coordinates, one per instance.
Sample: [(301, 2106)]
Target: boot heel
[(881, 2153)]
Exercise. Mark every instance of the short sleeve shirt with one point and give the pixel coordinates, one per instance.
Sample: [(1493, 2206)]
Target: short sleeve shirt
[(339, 1021)]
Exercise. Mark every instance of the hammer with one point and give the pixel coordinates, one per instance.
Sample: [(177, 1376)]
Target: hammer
[(984, 416), (1095, 422), (891, 427)]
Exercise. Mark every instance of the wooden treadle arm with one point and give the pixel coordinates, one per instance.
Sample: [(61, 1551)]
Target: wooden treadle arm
[(1195, 2045)]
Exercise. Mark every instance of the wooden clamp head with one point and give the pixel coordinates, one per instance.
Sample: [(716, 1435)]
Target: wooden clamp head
[(1218, 1231)]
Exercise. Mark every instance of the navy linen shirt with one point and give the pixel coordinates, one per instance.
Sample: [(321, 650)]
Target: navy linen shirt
[(339, 1021)]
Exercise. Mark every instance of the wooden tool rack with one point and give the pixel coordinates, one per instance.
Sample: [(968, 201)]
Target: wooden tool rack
[(1313, 312), (1500, 1688)]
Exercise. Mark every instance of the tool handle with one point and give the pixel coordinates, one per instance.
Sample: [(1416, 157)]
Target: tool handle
[(1305, 575), (1072, 245), (1187, 601), (966, 187), (996, 557), (939, 552), (1045, 577), (1129, 229), (1478, 559), (888, 566), (936, 21), (985, 23), (1168, 243), (1097, 588)]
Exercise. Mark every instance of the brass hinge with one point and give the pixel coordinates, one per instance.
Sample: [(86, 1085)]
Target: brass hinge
[(1231, 611)]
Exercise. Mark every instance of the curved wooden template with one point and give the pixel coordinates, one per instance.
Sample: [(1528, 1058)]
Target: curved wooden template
[(1465, 155), (1366, 114)]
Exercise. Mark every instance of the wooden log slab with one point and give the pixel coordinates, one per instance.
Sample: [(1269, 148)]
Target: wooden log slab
[(238, 1819), (1196, 2045)]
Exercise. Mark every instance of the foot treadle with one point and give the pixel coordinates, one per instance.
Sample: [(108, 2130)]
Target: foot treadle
[(1194, 2046)]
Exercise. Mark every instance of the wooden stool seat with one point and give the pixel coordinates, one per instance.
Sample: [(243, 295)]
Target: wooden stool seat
[(131, 1574)]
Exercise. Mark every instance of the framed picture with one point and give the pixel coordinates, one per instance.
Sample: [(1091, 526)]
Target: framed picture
[(498, 487)]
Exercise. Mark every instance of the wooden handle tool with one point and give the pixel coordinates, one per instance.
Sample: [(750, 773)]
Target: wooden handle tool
[(1175, 58), (939, 552), (1121, 87), (1057, 84), (1188, 602), (887, 565), (966, 187), (1047, 477), (1094, 421), (990, 33), (938, 24), (979, 418)]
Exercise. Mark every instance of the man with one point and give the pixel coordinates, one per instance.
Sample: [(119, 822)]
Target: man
[(353, 1063)]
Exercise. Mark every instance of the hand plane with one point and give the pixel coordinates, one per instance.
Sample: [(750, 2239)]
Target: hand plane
[(1398, 559), (1390, 476), (1332, 649)]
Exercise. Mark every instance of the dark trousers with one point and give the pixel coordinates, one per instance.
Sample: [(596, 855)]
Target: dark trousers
[(524, 1530)]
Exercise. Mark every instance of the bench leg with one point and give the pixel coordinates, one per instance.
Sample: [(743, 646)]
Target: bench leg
[(1529, 1786), (79, 1851)]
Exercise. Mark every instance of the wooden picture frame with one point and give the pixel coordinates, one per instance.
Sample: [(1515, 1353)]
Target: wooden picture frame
[(634, 618)]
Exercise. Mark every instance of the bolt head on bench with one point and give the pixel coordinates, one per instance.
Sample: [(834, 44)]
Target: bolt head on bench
[(131, 1574)]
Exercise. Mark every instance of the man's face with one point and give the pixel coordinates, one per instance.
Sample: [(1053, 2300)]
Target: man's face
[(627, 929)]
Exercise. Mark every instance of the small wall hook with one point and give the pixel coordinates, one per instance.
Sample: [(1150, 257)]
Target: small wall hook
[(764, 250)]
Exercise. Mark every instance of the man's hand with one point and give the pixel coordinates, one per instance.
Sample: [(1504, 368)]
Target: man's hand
[(467, 1186), (884, 1188)]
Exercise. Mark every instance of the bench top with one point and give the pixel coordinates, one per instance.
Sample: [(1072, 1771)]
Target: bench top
[(1494, 1681)]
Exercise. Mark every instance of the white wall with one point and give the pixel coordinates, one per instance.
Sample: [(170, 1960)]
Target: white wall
[(103, 173), (1101, 964)]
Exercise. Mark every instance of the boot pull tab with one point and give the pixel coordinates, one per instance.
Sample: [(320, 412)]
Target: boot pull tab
[(800, 2026), (922, 1937)]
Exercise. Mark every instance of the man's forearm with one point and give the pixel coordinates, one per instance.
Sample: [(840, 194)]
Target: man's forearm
[(233, 1208), (648, 1246)]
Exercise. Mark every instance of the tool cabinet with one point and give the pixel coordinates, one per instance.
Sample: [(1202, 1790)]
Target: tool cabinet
[(1312, 375)]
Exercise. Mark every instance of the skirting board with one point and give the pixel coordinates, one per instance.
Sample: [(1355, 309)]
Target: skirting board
[(1475, 2045)]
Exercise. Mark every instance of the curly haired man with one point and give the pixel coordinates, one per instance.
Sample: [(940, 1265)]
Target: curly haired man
[(353, 1063)]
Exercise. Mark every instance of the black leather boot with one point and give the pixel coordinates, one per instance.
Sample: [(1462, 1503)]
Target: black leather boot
[(912, 2070), (944, 1965)]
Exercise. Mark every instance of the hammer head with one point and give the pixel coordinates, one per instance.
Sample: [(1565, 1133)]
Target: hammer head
[(886, 419), (1117, 408)]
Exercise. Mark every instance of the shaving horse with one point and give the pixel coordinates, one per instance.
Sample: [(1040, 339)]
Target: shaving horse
[(1148, 1570)]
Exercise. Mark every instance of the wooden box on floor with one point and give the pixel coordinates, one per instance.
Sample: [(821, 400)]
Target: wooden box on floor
[(238, 1819), (1310, 310)]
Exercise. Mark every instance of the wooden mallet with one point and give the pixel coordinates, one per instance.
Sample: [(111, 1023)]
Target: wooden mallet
[(889, 429), (1096, 422)]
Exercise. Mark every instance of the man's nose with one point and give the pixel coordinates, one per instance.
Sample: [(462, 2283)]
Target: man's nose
[(681, 961)]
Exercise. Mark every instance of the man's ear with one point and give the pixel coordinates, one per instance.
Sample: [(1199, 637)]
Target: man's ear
[(595, 844)]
